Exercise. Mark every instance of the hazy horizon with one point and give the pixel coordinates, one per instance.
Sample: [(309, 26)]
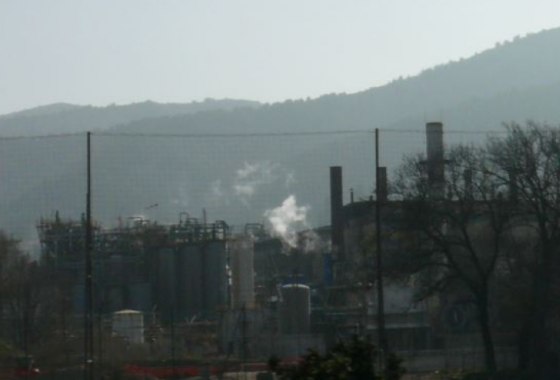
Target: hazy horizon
[(100, 53)]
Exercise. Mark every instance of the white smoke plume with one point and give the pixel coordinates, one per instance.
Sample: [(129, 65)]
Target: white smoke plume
[(216, 189), (310, 241), (286, 218), (182, 199), (217, 193), (252, 176)]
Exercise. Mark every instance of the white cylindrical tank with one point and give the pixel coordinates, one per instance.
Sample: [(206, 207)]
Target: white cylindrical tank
[(295, 309), (241, 253), (129, 324)]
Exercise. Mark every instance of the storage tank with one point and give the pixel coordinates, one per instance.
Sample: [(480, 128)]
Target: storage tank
[(200, 283), (129, 324), (295, 309), (241, 252), (215, 278), (165, 292), (190, 285)]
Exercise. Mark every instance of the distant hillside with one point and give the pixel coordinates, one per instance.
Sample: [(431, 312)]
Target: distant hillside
[(69, 118), (49, 109), (238, 179)]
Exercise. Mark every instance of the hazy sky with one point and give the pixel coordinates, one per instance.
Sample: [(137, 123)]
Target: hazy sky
[(121, 51)]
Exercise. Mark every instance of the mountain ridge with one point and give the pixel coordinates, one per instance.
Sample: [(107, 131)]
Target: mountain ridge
[(71, 118), (516, 81), (511, 66)]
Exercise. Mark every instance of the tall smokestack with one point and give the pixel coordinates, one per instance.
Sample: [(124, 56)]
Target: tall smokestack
[(434, 137), (337, 232), (383, 188)]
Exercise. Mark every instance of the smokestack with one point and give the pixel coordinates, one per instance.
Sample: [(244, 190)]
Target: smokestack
[(337, 232), (383, 192), (434, 136)]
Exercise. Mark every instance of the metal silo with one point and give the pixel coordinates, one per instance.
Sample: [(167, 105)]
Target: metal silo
[(295, 309), (190, 276), (165, 296), (201, 280), (129, 324), (215, 281), (241, 252)]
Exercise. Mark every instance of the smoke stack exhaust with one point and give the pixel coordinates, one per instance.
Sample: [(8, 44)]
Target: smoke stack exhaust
[(434, 137), (337, 232)]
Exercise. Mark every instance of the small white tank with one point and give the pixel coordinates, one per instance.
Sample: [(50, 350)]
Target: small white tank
[(129, 324), (295, 309)]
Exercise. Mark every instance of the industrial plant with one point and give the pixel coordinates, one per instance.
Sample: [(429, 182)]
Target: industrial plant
[(207, 288)]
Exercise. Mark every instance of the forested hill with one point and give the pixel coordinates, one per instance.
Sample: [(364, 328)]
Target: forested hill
[(239, 179), (507, 70), (69, 118)]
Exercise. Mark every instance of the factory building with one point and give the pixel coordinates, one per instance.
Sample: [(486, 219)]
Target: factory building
[(287, 285), (178, 271), (446, 320), (260, 295), (408, 322), (352, 297)]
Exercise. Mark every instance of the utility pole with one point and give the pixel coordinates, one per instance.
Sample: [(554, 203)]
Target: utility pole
[(382, 338), (173, 364), (244, 339), (88, 314), (100, 332)]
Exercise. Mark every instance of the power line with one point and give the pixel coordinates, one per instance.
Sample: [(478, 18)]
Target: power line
[(238, 135), (248, 134), (42, 137), (447, 131)]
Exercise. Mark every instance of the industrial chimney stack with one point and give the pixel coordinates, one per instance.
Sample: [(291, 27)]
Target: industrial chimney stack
[(337, 233), (436, 161)]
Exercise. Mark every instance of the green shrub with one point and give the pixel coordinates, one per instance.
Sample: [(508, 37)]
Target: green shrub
[(394, 369)]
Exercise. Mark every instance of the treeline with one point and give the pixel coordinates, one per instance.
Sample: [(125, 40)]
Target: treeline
[(489, 232), (39, 325)]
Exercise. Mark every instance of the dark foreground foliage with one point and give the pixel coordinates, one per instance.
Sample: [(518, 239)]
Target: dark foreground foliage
[(353, 361), (511, 375)]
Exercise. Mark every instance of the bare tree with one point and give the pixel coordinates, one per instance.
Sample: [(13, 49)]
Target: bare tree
[(25, 297), (460, 230), (528, 159)]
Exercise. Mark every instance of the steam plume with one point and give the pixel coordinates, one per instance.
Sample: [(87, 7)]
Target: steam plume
[(286, 218), (252, 176)]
